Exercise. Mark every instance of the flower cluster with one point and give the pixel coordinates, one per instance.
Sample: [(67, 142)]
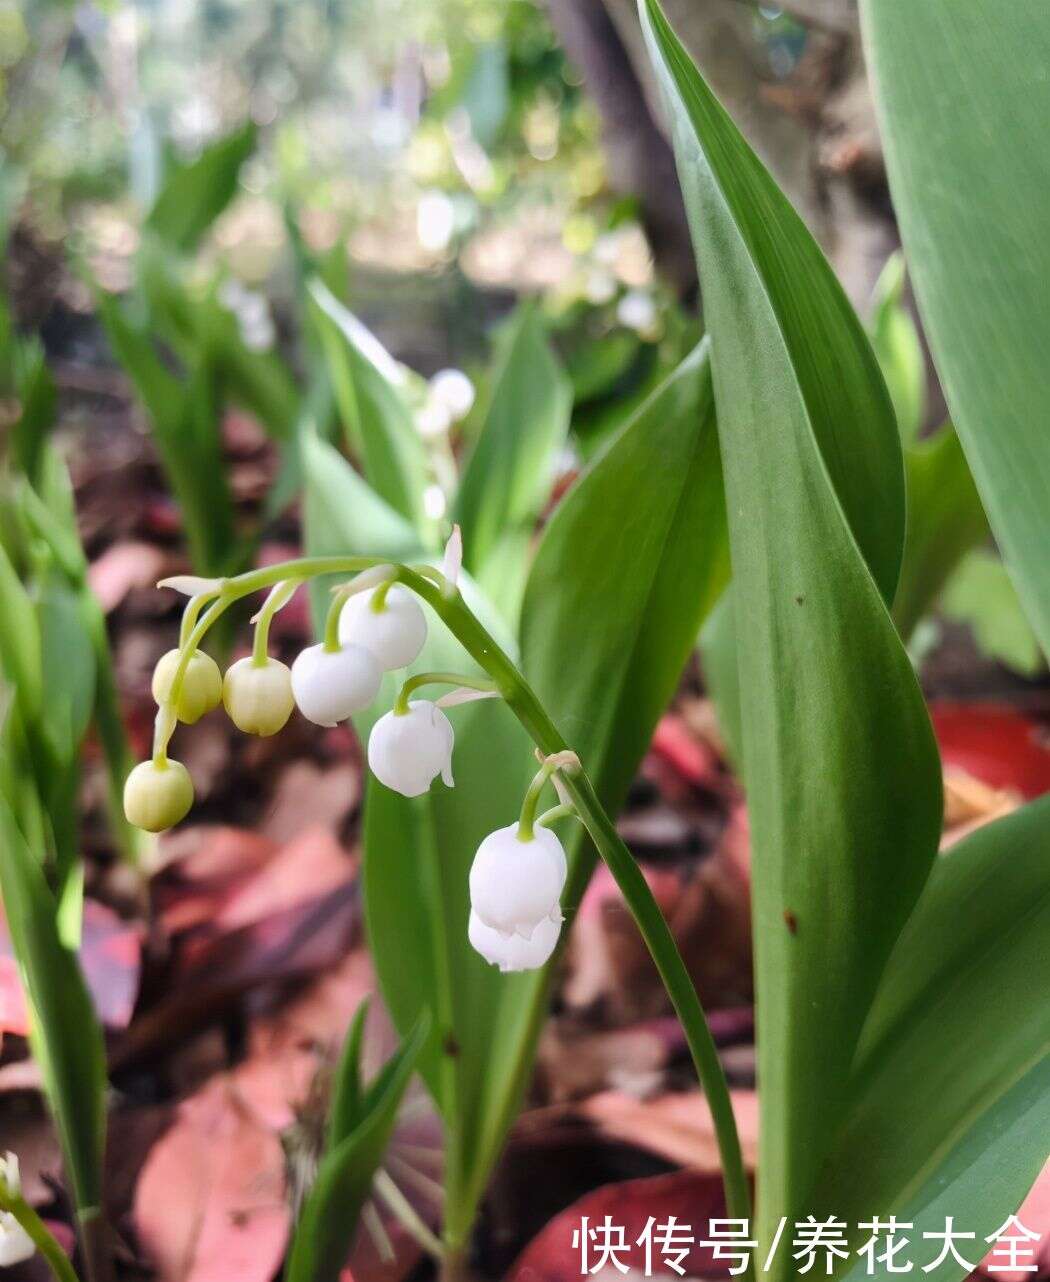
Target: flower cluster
[(375, 625), (15, 1243)]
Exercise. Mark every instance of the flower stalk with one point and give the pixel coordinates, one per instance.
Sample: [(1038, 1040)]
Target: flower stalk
[(441, 593), (13, 1204)]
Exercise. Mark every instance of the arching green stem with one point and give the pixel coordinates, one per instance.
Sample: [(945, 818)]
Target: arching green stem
[(448, 605), (530, 804), (560, 811), (438, 678), (278, 598)]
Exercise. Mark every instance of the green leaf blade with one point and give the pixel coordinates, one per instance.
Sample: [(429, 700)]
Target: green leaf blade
[(961, 91), (842, 769)]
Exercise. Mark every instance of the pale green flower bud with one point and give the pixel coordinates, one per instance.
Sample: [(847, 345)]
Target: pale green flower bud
[(258, 696), (158, 795), (201, 688)]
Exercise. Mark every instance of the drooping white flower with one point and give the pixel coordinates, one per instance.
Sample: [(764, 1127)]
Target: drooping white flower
[(15, 1243), (408, 750), (394, 634), (511, 952), (514, 884), (158, 795), (636, 310), (201, 688), (331, 685), (258, 696), (433, 418), (453, 389)]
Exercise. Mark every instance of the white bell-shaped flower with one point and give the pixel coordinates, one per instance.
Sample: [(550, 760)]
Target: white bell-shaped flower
[(331, 685), (408, 750), (395, 633), (15, 1243), (511, 952), (514, 884)]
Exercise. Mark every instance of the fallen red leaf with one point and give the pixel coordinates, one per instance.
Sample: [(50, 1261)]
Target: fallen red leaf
[(695, 760), (210, 1201), (692, 1197), (124, 566), (110, 957), (994, 744)]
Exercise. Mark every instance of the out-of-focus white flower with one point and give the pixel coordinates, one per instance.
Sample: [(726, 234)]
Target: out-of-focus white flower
[(433, 418), (394, 634), (435, 221), (599, 287), (515, 884), (15, 1243), (201, 688), (453, 389), (435, 503), (158, 795), (331, 685), (636, 310), (408, 750), (258, 696), (511, 952)]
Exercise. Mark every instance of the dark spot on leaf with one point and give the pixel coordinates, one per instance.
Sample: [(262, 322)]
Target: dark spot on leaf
[(800, 599), (791, 921), (451, 1046)]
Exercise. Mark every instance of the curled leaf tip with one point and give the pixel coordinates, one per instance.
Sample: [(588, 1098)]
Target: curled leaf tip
[(453, 561), (191, 584), (277, 598)]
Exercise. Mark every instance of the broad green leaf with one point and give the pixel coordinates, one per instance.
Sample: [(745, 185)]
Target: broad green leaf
[(507, 480), (38, 398), (960, 1017), (20, 639), (945, 520), (194, 195), (376, 417), (963, 100), (68, 669), (981, 594), (717, 647), (898, 349), (842, 768), (348, 1092), (1003, 1150), (326, 1228), (66, 1039)]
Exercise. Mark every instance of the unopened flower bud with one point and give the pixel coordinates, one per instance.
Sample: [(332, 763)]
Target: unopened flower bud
[(331, 685), (395, 633), (158, 795), (15, 1243), (515, 885), (511, 952), (258, 696), (408, 750), (201, 688)]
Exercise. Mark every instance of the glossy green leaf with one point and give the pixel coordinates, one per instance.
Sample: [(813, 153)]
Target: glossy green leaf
[(507, 481), (981, 594), (195, 194), (960, 1017), (326, 1228), (963, 100), (67, 1040), (376, 417), (945, 520), (842, 769)]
